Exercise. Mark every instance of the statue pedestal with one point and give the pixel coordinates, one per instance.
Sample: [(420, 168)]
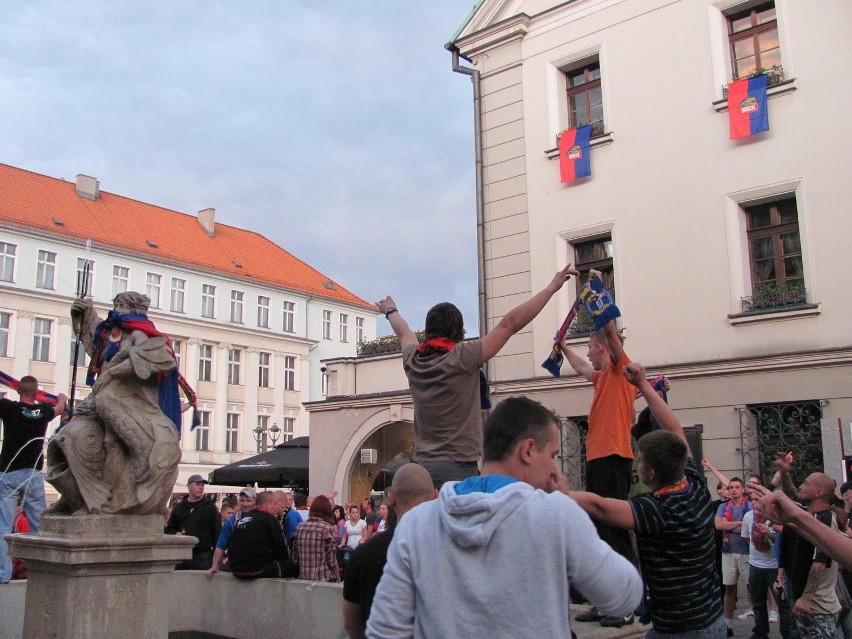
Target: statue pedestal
[(99, 576)]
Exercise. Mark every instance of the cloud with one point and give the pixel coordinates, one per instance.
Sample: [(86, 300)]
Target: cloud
[(337, 129)]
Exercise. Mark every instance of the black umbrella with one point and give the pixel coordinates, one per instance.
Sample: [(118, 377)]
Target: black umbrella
[(284, 465)]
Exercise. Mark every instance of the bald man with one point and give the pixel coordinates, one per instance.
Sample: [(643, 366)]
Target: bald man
[(412, 485), (813, 573)]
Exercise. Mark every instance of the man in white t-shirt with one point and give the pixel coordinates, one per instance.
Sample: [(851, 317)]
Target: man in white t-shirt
[(763, 568)]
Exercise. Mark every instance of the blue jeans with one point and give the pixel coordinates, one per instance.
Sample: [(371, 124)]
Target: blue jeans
[(760, 581), (716, 630), (27, 484)]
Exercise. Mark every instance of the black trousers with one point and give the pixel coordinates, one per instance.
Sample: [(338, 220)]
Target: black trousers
[(611, 477)]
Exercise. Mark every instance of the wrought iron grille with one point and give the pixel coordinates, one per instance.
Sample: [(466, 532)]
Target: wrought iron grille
[(767, 429), (572, 450)]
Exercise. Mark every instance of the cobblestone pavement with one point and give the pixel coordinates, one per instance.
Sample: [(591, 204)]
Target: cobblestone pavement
[(742, 628)]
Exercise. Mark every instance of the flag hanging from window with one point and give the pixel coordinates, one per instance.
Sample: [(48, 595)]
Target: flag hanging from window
[(747, 106), (574, 160)]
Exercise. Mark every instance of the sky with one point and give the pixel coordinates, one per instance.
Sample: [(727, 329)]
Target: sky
[(335, 128)]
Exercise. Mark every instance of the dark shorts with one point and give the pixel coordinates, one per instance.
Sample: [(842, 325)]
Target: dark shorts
[(444, 471)]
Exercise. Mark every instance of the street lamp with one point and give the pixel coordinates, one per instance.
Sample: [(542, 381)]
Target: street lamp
[(260, 436)]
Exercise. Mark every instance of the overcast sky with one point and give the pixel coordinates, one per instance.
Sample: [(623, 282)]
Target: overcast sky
[(336, 128)]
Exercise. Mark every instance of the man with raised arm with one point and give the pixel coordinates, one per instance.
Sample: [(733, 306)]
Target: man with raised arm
[(609, 454), (21, 460), (496, 555), (444, 378), (673, 524)]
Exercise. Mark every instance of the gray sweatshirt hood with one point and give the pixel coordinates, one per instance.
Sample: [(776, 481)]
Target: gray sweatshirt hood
[(472, 519)]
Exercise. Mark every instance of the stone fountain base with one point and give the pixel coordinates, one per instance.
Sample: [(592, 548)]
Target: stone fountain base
[(99, 576)]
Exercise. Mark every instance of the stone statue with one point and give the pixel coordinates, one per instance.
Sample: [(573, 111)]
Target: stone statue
[(119, 453)]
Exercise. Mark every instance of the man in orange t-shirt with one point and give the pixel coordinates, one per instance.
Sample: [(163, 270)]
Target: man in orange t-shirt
[(609, 455)]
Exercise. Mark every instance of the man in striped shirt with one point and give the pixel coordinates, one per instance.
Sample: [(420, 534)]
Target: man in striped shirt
[(674, 527)]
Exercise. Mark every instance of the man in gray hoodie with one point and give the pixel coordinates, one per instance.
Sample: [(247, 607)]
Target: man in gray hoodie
[(495, 555)]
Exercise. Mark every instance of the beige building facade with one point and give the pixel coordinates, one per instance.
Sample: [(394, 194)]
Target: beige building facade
[(725, 256)]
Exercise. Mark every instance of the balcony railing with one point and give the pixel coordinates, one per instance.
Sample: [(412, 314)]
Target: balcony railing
[(383, 345), (775, 76), (774, 300)]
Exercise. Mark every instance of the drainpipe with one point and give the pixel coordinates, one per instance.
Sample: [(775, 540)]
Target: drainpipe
[(480, 193)]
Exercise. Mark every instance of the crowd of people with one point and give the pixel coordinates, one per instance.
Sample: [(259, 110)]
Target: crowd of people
[(502, 546)]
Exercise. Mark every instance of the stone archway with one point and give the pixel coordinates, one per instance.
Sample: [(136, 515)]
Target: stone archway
[(396, 438)]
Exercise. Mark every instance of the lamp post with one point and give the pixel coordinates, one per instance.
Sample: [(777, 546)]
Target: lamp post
[(260, 433)]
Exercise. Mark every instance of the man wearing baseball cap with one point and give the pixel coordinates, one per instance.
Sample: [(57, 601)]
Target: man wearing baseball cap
[(248, 500), (198, 516)]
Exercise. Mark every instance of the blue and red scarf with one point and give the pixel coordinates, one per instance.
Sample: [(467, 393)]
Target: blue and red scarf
[(107, 342)]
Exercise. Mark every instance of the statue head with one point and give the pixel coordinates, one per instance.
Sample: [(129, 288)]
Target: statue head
[(131, 302)]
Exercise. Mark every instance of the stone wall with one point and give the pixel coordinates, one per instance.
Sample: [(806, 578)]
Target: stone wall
[(226, 607)]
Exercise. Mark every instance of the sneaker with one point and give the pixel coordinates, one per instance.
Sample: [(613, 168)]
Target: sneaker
[(746, 614), (730, 632), (591, 614), (773, 616), (616, 622)]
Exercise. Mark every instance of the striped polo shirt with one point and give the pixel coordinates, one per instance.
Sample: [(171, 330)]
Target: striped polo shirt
[(675, 535)]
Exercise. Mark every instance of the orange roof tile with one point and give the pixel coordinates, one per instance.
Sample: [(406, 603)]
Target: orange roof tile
[(32, 201)]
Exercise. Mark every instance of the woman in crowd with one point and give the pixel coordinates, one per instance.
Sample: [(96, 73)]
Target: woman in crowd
[(353, 535), (314, 546), (340, 523), (382, 523)]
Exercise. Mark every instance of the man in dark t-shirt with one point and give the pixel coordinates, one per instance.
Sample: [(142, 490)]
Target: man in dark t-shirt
[(21, 460), (674, 526), (257, 547), (412, 485)]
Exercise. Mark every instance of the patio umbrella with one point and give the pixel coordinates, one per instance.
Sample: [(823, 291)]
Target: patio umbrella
[(284, 465)]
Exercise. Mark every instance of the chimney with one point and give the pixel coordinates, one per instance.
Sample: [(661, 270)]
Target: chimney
[(207, 220), (88, 187)]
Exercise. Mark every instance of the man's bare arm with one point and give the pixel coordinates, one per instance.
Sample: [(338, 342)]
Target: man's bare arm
[(61, 404), (521, 315), (580, 365), (719, 475), (782, 510), (398, 324), (636, 375), (609, 331)]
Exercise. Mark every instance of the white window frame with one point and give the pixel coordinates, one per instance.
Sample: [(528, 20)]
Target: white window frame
[(290, 372), (8, 253), (264, 369), (287, 429), (232, 433), (263, 311), (177, 302), (359, 330), (205, 363), (237, 303), (344, 327), (5, 328), (289, 317), (235, 358), (208, 301), (326, 324), (202, 431), (177, 347), (41, 339), (120, 279), (46, 270), (153, 288)]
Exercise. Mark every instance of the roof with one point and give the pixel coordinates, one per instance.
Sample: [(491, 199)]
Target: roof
[(33, 201)]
